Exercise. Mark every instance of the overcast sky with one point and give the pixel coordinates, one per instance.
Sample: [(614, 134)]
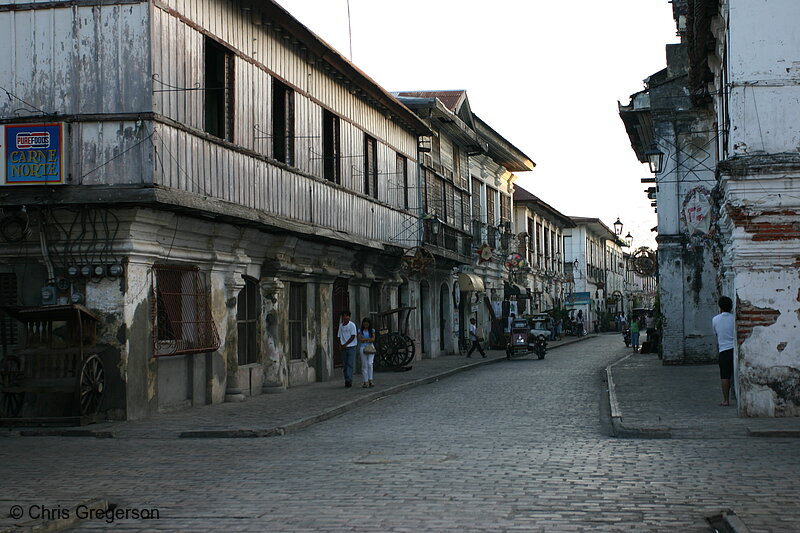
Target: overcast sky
[(544, 74)]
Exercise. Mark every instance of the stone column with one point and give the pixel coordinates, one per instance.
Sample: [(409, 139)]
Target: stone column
[(275, 311), (233, 392)]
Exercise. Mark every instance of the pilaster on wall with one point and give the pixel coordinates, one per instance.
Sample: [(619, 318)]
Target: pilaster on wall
[(276, 332), (763, 259)]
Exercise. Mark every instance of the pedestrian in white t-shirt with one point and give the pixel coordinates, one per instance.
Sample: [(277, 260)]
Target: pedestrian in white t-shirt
[(724, 329)]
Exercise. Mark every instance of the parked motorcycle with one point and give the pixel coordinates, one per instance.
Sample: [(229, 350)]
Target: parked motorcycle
[(626, 336)]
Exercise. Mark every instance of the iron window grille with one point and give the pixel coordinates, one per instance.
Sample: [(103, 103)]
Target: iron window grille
[(8, 296), (297, 319), (247, 313), (182, 320)]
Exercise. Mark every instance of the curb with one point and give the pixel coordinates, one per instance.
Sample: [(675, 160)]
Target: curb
[(297, 425), (618, 429), (774, 433), (60, 524)]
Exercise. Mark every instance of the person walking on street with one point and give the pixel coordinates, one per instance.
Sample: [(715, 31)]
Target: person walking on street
[(348, 342), (366, 348), (473, 336), (635, 334), (723, 328)]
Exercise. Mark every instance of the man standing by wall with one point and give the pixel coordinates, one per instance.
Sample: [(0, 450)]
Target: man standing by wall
[(723, 328), (348, 342)]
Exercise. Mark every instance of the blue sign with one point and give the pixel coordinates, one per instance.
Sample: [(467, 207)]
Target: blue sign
[(578, 298), (34, 154)]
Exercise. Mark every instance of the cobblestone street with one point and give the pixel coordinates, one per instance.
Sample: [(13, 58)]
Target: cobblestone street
[(515, 446)]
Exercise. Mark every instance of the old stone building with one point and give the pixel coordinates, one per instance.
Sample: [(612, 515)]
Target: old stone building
[(540, 236), (224, 185), (736, 108)]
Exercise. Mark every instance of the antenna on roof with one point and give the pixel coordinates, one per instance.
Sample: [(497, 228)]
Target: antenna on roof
[(349, 30)]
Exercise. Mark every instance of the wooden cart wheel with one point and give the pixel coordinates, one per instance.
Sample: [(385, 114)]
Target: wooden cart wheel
[(395, 350), (10, 376), (92, 385)]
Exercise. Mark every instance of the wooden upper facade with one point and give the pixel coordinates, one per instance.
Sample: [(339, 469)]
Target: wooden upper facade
[(227, 106)]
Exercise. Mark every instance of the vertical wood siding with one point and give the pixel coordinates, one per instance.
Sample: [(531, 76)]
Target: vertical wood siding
[(76, 60)]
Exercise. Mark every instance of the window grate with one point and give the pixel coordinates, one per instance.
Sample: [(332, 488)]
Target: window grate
[(297, 315), (8, 296), (247, 312), (182, 320)]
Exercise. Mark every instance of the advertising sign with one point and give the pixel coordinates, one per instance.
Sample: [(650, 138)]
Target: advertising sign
[(33, 154), (579, 298)]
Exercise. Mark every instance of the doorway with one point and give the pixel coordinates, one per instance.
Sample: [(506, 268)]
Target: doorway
[(341, 303), (443, 293)]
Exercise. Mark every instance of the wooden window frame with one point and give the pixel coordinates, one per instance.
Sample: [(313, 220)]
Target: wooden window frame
[(331, 147), (401, 168), (370, 166), (282, 122), (219, 90)]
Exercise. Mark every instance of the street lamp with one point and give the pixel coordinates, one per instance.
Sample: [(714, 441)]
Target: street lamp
[(655, 158), (618, 227), (436, 225), (629, 239)]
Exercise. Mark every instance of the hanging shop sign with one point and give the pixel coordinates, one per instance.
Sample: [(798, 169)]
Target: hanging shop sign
[(33, 154)]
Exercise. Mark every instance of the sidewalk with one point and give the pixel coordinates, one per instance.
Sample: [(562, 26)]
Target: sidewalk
[(279, 414), (651, 400)]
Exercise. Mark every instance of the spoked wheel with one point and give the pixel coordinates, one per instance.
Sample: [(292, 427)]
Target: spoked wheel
[(395, 350), (10, 378), (92, 385)]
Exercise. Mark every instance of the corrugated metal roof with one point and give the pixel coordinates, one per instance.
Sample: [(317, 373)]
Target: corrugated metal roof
[(452, 100)]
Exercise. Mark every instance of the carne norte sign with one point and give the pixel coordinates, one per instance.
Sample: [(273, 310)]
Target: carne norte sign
[(33, 154)]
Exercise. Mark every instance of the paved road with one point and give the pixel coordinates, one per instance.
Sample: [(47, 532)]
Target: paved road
[(515, 446)]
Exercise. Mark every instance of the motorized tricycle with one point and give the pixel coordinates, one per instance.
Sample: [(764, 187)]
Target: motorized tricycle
[(528, 334)]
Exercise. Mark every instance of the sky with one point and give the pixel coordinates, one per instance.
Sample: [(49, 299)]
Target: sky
[(546, 75)]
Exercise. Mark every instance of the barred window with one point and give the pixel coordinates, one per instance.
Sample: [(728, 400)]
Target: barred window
[(297, 319), (8, 296), (401, 168), (182, 320), (490, 201), (476, 199), (282, 122), (370, 166), (247, 312), (505, 207)]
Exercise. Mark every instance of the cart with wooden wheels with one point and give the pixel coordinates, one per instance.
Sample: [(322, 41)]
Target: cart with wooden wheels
[(60, 358), (394, 349)]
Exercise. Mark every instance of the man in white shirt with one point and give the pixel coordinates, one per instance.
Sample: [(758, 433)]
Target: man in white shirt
[(473, 336), (348, 342), (723, 328)]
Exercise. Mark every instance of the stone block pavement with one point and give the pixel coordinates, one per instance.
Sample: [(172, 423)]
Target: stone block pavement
[(269, 415), (680, 401)]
